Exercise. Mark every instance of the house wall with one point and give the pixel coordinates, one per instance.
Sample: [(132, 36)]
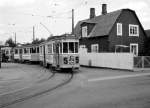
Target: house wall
[(126, 18), (101, 41)]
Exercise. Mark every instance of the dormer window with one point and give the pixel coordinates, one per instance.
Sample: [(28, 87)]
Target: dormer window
[(84, 31), (119, 29), (133, 30)]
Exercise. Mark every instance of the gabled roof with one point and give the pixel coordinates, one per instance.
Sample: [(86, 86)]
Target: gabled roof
[(147, 33), (103, 24)]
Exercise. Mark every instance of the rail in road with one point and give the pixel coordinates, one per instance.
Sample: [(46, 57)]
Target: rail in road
[(37, 90)]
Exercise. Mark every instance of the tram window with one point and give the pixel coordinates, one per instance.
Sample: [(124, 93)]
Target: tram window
[(76, 47), (16, 51), (7, 52), (20, 51), (60, 47), (37, 49), (34, 50), (40, 49), (57, 48), (50, 48), (71, 47), (25, 51), (54, 48), (31, 49), (65, 47)]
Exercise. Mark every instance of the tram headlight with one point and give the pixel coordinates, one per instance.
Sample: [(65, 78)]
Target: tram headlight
[(77, 59), (65, 60)]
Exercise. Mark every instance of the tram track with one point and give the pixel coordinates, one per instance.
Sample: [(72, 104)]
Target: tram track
[(68, 78)]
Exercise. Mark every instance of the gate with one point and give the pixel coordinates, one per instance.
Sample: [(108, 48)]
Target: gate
[(142, 62)]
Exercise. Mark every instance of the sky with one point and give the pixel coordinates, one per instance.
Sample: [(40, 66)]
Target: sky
[(54, 16)]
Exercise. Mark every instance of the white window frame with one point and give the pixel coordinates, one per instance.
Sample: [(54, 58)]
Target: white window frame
[(119, 29), (92, 48), (84, 31), (137, 50), (136, 26)]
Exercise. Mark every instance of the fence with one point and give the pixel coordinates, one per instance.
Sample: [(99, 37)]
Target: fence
[(142, 62), (108, 60)]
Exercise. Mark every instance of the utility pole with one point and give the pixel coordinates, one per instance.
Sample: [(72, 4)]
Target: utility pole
[(15, 38), (33, 33), (73, 21)]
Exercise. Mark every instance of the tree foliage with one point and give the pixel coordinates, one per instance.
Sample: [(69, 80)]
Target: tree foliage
[(10, 42), (37, 41)]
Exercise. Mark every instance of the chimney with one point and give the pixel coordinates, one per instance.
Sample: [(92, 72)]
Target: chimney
[(92, 13), (104, 9)]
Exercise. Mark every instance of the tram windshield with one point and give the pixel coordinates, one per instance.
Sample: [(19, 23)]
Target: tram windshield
[(70, 47)]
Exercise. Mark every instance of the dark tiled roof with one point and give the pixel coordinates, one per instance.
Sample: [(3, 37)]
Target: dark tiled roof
[(103, 24), (147, 33)]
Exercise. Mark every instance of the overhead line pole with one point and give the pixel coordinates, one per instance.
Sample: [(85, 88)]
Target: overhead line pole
[(15, 38), (33, 33), (73, 21)]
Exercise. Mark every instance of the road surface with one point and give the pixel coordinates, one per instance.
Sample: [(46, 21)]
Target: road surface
[(97, 88)]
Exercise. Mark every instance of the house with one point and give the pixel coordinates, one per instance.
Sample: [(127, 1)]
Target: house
[(117, 31), (148, 33), (147, 43)]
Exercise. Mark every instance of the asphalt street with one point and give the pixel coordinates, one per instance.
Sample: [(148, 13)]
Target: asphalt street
[(97, 88)]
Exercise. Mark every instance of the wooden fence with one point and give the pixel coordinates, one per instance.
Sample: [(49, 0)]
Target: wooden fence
[(142, 62)]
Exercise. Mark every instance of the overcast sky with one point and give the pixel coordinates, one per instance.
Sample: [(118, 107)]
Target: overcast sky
[(55, 15)]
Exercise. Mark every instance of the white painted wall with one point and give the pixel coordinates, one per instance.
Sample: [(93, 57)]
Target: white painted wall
[(109, 60)]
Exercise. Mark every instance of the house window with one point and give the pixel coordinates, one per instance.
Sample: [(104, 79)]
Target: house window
[(134, 49), (119, 29), (94, 48), (133, 30), (84, 31)]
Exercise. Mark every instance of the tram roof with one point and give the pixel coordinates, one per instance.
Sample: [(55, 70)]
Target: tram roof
[(27, 45), (61, 37)]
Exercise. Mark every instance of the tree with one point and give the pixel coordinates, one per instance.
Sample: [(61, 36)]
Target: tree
[(37, 41), (10, 42)]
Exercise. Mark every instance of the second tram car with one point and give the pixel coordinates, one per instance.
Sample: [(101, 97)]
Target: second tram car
[(30, 53), (25, 53)]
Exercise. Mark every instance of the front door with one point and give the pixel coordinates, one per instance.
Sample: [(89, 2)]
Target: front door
[(134, 49)]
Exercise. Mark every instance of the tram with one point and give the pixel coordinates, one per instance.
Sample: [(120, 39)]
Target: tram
[(27, 53), (61, 52)]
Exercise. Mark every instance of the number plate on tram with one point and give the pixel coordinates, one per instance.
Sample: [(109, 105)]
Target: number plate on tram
[(71, 60)]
